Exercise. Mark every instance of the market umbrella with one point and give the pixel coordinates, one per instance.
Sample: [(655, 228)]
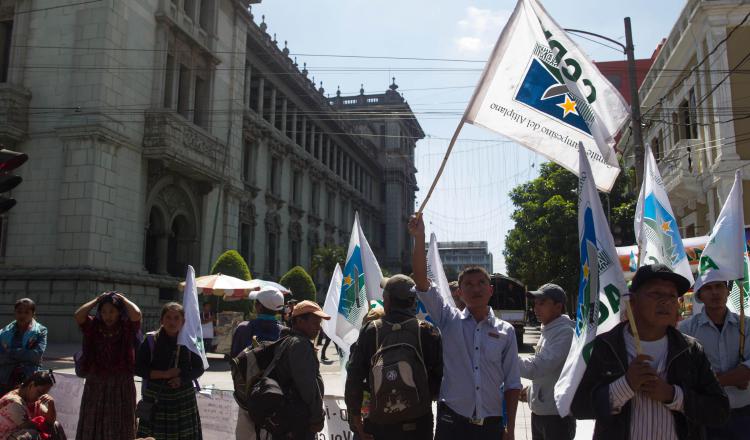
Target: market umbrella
[(256, 284), (221, 285)]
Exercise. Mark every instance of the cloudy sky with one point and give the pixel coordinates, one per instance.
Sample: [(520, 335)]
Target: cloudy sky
[(470, 201)]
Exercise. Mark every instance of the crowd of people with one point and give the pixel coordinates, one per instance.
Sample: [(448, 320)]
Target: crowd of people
[(667, 380)]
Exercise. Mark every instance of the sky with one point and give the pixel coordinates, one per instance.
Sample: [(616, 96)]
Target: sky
[(471, 200)]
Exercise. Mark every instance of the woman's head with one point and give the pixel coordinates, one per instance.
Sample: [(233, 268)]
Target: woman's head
[(110, 308), (172, 318), (25, 310), (37, 385)]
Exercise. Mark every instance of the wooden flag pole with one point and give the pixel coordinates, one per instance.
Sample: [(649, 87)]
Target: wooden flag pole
[(633, 328), (442, 166), (742, 319)]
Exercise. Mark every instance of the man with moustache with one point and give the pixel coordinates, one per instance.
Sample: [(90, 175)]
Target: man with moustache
[(667, 391)]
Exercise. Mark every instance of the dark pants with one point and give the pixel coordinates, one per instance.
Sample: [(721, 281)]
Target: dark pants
[(325, 347), (208, 345), (737, 428), (418, 429), (453, 426), (552, 427)]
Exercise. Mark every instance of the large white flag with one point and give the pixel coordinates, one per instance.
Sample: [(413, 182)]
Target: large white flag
[(601, 286), (656, 230), (725, 256), (360, 284), (539, 89), (191, 334)]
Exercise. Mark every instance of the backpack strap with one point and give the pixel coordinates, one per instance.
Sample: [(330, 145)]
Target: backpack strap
[(283, 345), (151, 341)]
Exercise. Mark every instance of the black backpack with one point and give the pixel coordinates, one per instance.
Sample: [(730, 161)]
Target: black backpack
[(257, 393), (398, 381)]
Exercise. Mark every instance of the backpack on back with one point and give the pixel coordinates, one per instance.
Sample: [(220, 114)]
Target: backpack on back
[(248, 366), (398, 381)]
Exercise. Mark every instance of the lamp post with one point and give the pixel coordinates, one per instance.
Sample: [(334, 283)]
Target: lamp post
[(635, 102)]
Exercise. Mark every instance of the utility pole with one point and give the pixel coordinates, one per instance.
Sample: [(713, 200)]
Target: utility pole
[(635, 101), (635, 106)]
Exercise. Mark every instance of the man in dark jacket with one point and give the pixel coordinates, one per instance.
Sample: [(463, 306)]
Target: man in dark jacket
[(663, 388), (399, 301), (298, 372)]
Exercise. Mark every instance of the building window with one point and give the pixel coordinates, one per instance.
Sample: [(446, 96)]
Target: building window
[(206, 15), (275, 176), (272, 253), (295, 252), (189, 7), (315, 198), (169, 82), (6, 34), (183, 91), (246, 242), (248, 162), (296, 188), (331, 214), (344, 215), (200, 115)]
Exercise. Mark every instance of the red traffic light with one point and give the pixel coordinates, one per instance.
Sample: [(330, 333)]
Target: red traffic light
[(10, 160)]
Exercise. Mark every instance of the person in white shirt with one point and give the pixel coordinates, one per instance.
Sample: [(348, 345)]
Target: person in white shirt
[(718, 330)]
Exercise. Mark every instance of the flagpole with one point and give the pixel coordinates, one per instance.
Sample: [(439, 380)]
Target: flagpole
[(631, 318), (442, 165), (742, 320)]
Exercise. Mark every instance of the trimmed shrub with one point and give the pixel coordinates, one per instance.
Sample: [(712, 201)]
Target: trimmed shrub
[(299, 282), (231, 263)]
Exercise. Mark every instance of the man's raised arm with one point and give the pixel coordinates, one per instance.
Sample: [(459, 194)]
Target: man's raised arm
[(419, 256)]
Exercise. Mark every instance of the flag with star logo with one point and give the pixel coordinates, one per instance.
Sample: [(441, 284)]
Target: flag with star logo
[(723, 258), (360, 284), (191, 334), (542, 91), (600, 285), (656, 230)]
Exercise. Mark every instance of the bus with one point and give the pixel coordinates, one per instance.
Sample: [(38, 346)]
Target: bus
[(508, 302)]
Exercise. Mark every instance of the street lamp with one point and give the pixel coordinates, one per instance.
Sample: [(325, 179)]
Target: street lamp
[(635, 102)]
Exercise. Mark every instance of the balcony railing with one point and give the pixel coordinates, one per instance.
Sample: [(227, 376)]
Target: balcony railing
[(678, 169), (183, 145)]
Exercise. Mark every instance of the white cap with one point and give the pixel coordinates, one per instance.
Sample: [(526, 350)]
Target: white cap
[(270, 297), (708, 277)]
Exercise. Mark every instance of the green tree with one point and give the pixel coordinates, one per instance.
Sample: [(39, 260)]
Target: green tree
[(231, 263), (543, 245), (299, 282), (325, 259)]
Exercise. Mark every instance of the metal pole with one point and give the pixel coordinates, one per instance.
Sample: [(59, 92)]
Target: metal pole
[(635, 106)]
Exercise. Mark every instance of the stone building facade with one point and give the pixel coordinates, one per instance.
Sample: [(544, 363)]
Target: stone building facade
[(163, 132), (695, 114)]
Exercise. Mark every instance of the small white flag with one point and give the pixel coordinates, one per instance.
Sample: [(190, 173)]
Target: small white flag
[(656, 230), (331, 307), (539, 89), (191, 334)]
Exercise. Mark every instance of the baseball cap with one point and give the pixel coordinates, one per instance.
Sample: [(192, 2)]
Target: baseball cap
[(551, 291), (398, 287), (270, 297), (306, 306), (659, 271), (710, 276)]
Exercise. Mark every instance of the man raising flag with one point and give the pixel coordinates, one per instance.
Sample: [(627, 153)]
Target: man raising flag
[(722, 332)]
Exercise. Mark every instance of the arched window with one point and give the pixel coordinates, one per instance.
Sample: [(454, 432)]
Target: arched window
[(155, 242)]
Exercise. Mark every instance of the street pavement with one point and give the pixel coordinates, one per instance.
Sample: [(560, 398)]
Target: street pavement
[(60, 358)]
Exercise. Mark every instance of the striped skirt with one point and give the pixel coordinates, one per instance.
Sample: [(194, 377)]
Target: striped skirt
[(107, 408), (175, 413)]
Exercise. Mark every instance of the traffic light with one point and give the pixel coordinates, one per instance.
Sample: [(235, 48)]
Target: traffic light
[(9, 161)]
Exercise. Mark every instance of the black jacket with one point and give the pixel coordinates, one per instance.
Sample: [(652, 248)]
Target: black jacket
[(705, 402), (358, 367)]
